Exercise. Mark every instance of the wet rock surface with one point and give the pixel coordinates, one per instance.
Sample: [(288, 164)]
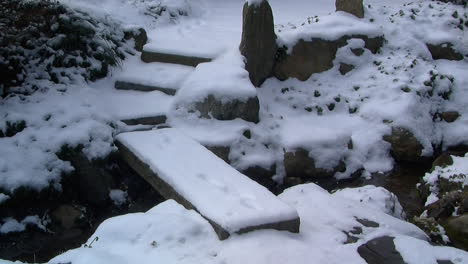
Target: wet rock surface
[(405, 146), (354, 7), (380, 250)]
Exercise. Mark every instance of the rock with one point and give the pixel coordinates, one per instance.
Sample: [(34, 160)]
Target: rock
[(380, 250), (263, 176), (345, 68), (445, 207), (66, 215), (258, 43), (443, 161), (247, 110), (444, 51), (298, 164), (316, 55), (405, 146), (450, 116), (221, 151), (138, 35), (367, 223), (358, 51), (354, 7), (457, 231), (430, 226)]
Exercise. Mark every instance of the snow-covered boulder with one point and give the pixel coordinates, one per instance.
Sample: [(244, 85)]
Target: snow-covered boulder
[(229, 96), (312, 47)]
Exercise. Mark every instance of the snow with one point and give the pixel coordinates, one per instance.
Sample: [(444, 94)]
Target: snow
[(415, 251), (11, 225), (3, 197), (171, 234), (119, 197), (216, 190), (154, 74), (231, 81), (374, 197)]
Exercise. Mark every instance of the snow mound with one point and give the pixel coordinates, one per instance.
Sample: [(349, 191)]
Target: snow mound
[(169, 233)]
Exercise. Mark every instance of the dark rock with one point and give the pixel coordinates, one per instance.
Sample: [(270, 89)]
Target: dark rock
[(221, 151), (91, 183), (66, 215), (450, 116), (444, 51), (247, 134), (147, 120), (358, 51), (444, 261), (345, 68), (316, 55), (263, 176), (152, 56), (405, 146), (457, 231), (258, 43), (443, 161), (124, 85), (354, 7), (247, 110), (380, 250), (138, 35), (299, 164), (367, 223)]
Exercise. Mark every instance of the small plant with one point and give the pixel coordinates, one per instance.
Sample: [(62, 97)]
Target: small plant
[(91, 244)]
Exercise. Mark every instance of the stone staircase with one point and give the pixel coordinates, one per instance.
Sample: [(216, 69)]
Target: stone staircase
[(178, 166)]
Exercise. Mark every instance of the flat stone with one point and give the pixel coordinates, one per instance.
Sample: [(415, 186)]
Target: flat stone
[(149, 120), (380, 250), (354, 7), (123, 85), (182, 169), (155, 56)]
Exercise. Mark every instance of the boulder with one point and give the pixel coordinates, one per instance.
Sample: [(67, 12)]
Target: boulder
[(380, 250), (450, 116), (457, 230), (298, 164), (405, 146), (247, 110), (354, 7), (258, 43), (66, 215), (444, 51), (316, 55)]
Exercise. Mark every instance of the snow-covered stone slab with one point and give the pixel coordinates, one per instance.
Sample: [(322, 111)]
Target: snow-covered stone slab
[(182, 169), (155, 55), (164, 77), (123, 85)]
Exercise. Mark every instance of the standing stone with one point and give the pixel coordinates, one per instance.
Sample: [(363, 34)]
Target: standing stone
[(354, 7), (258, 43)]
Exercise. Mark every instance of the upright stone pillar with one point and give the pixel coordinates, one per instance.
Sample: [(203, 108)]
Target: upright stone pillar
[(258, 43), (354, 7)]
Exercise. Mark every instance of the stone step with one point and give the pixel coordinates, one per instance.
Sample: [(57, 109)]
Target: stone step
[(148, 120), (125, 85), (165, 57), (182, 169)]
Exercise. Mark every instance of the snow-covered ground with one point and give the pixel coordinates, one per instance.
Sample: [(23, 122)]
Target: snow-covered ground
[(169, 233)]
